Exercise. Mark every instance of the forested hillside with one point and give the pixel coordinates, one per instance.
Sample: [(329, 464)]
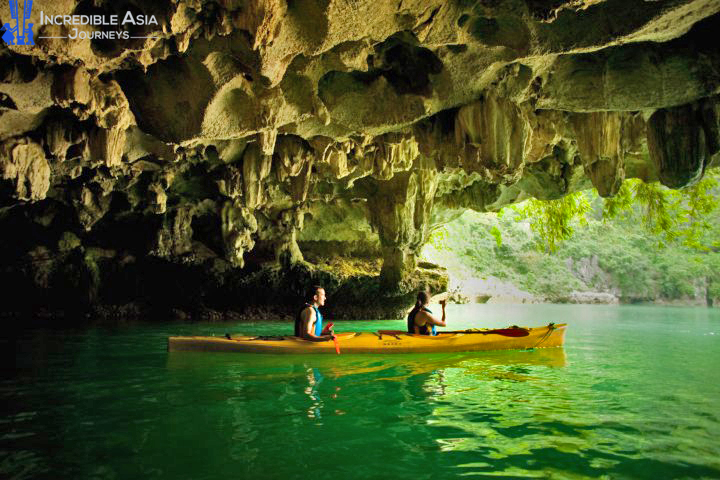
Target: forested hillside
[(648, 244)]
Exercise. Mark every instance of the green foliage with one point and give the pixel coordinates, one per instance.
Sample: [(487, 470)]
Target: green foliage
[(439, 238), (495, 232), (660, 209), (669, 215), (472, 248), (594, 244), (554, 220), (700, 203), (676, 281), (621, 203)]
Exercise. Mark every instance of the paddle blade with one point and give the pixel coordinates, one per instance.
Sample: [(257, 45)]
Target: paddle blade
[(510, 332), (337, 344), (392, 332), (505, 332)]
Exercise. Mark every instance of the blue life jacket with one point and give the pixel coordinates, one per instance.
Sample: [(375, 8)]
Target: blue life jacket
[(300, 331), (424, 329), (318, 321)]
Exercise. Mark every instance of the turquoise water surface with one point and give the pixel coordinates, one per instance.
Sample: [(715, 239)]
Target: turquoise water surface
[(635, 393)]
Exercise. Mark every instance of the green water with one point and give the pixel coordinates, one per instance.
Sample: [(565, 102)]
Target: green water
[(634, 394)]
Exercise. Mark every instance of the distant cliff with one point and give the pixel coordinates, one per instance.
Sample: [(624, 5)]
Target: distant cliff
[(604, 262)]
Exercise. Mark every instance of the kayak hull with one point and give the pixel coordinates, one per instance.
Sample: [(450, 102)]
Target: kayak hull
[(382, 343)]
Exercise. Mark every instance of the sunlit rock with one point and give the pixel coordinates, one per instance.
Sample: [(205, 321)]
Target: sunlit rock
[(598, 139), (269, 138), (27, 168)]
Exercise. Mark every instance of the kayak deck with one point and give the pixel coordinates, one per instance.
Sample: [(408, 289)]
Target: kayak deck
[(382, 342)]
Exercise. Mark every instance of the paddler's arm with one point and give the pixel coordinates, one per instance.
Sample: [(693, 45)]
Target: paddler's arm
[(309, 318), (433, 320)]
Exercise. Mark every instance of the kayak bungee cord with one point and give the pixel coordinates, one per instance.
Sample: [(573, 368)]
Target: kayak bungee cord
[(551, 327)]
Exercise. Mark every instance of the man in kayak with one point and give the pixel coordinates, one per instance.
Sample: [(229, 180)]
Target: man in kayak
[(421, 319), (309, 321)]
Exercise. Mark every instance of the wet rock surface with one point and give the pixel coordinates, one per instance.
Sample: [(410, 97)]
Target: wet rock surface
[(215, 164)]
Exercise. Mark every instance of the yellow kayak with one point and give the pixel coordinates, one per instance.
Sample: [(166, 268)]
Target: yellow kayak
[(383, 341)]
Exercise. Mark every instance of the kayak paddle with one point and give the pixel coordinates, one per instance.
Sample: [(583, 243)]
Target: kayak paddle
[(506, 332)]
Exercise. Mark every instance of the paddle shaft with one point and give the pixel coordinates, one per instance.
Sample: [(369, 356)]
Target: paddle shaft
[(506, 332)]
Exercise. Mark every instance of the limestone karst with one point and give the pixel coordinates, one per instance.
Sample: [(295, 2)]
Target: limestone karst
[(237, 134)]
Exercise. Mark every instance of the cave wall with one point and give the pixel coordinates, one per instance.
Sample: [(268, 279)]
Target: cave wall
[(239, 135)]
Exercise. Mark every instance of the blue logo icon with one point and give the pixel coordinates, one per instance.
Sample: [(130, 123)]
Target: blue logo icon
[(24, 35)]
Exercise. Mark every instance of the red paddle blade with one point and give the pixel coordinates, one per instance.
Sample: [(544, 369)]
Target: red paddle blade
[(337, 344), (510, 332)]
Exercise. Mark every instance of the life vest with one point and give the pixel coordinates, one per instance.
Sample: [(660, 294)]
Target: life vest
[(424, 329), (299, 331)]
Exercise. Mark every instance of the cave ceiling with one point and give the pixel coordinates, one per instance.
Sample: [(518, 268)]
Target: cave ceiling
[(284, 127)]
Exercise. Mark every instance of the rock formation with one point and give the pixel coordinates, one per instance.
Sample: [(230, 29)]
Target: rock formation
[(230, 146)]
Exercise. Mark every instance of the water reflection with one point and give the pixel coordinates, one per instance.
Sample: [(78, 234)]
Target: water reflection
[(277, 367), (314, 378), (118, 406), (490, 413), (319, 379)]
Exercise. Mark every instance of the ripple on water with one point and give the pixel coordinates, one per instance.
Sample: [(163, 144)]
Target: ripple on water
[(633, 395)]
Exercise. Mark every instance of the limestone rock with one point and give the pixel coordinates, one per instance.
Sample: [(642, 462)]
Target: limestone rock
[(602, 298), (598, 137), (26, 166), (245, 133), (175, 238), (677, 144), (238, 225)]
